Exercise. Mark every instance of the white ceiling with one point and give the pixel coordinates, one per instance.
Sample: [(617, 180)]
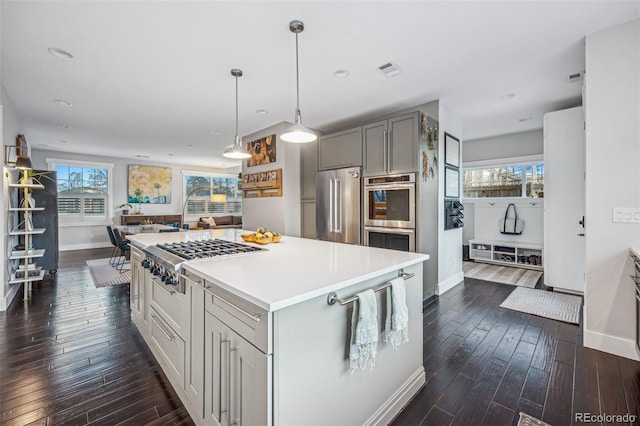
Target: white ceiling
[(151, 77)]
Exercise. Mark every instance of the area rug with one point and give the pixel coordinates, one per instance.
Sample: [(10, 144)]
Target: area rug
[(501, 274), (548, 304), (527, 420), (105, 275)]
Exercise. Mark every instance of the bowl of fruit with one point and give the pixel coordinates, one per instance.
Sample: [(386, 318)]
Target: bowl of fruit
[(262, 236)]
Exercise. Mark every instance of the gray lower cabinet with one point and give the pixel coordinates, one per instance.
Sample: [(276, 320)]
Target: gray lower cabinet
[(236, 378), (342, 149), (391, 146)]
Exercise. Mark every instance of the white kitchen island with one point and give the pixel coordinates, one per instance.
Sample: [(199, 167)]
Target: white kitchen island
[(253, 339)]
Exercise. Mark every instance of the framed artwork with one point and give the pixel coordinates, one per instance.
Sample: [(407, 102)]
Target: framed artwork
[(451, 150), (263, 151), (451, 182), (149, 185)]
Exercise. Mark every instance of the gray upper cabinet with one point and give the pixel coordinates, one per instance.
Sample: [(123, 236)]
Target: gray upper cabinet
[(342, 149), (375, 148), (391, 146)]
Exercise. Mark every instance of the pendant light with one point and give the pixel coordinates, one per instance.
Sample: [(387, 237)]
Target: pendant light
[(297, 133), (236, 151)]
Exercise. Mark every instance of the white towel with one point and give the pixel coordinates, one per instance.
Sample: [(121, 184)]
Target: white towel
[(364, 332), (397, 321)]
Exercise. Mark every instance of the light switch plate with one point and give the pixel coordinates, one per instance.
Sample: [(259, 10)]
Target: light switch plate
[(626, 215)]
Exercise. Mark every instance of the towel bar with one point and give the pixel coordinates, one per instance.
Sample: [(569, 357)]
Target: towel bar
[(332, 298)]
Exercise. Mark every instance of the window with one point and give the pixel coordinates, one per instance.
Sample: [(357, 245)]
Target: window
[(522, 180), (211, 195), (84, 191)]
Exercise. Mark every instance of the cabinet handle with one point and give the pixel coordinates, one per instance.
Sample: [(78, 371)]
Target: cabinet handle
[(163, 329), (389, 153), (220, 410), (384, 150), (229, 350), (331, 205), (255, 317), (240, 402)]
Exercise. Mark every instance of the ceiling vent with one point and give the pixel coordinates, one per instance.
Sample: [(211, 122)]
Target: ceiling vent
[(389, 69), (575, 78)]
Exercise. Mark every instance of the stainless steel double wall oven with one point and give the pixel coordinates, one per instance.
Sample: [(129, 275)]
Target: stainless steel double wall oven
[(390, 211)]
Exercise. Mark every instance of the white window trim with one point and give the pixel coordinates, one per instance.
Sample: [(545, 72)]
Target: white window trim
[(108, 220)]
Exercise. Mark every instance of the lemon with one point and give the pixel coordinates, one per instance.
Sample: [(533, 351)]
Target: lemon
[(261, 230), (268, 234)]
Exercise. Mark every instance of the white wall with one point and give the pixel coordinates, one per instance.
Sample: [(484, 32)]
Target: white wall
[(10, 127), (503, 146), (279, 214), (487, 215), (612, 106), (82, 237), (450, 241)]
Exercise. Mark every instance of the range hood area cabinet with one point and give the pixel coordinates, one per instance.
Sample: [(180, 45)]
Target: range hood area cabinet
[(391, 146)]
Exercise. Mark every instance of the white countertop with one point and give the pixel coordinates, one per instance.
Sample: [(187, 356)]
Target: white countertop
[(291, 271)]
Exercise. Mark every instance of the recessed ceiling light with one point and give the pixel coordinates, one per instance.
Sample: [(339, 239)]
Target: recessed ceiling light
[(507, 96), (214, 134), (63, 141), (525, 119), (59, 53), (42, 144), (170, 155), (191, 145), (63, 126), (262, 111), (63, 102), (341, 74), (143, 156)]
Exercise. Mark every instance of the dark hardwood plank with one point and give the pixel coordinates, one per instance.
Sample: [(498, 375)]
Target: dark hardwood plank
[(453, 397), (497, 415), (422, 403), (535, 386), (512, 384), (437, 417), (565, 352), (479, 398)]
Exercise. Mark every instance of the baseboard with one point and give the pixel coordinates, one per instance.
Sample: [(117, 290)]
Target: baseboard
[(611, 344), (9, 296), (399, 399), (84, 246), (450, 283)]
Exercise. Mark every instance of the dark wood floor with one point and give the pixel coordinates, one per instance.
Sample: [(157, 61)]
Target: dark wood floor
[(486, 364), (71, 356)]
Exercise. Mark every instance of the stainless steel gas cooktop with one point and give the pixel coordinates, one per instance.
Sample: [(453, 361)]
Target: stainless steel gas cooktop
[(207, 248)]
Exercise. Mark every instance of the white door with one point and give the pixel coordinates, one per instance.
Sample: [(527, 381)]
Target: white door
[(564, 200)]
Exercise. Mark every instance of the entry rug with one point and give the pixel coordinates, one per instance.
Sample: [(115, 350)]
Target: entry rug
[(105, 275), (556, 306), (527, 420), (501, 274)]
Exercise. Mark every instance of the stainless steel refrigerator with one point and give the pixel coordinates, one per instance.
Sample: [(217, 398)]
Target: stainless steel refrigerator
[(338, 198)]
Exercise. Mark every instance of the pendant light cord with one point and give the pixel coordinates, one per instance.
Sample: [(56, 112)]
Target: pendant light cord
[(297, 84), (236, 107)]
